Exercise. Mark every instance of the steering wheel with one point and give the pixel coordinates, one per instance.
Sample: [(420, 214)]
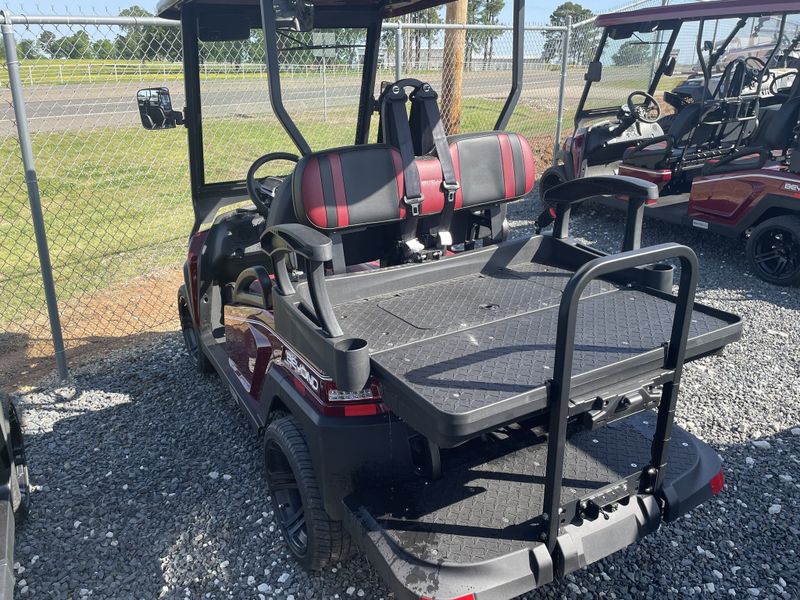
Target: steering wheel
[(260, 195), (760, 64), (754, 67), (648, 111)]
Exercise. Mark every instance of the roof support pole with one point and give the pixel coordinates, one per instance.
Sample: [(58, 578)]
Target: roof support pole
[(562, 85), (268, 21), (517, 65), (366, 102)]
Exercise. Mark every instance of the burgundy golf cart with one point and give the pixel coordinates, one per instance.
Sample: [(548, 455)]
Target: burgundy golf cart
[(479, 414), (725, 157)]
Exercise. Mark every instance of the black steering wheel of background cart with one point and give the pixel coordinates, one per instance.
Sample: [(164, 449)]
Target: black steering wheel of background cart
[(754, 66), (260, 197), (648, 111)]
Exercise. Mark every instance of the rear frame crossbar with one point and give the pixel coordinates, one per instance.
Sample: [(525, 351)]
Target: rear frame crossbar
[(559, 387)]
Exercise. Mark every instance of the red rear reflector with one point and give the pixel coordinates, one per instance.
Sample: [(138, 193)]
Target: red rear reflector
[(717, 483), (552, 212), (650, 202)]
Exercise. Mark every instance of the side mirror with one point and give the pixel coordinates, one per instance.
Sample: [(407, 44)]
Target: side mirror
[(595, 72), (669, 69), (708, 46), (155, 109)]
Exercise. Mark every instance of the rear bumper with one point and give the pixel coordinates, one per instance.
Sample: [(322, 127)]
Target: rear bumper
[(410, 578), (413, 572)]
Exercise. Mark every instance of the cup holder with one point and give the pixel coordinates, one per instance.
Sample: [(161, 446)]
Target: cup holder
[(352, 364), (660, 276), (350, 345), (662, 267)]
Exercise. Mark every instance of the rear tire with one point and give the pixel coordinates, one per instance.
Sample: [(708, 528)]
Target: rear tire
[(552, 177), (773, 250), (19, 478), (191, 336), (314, 539)]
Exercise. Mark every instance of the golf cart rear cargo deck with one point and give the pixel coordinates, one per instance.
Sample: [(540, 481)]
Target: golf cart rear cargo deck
[(467, 344), (478, 529)]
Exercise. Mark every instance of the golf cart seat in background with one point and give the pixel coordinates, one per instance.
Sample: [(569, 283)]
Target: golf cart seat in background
[(485, 170), (655, 153), (492, 167), (355, 194), (774, 134)]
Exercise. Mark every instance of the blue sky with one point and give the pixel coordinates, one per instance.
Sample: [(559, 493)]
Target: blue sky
[(537, 11)]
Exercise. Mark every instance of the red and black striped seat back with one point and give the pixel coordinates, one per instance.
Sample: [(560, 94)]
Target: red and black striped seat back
[(356, 186), (492, 168)]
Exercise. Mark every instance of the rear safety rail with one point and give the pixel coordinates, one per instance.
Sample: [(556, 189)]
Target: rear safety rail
[(559, 388), (563, 197)]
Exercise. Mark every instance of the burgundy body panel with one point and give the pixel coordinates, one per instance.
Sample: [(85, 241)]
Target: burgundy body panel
[(726, 198), (193, 268), (250, 344), (253, 348), (660, 177)]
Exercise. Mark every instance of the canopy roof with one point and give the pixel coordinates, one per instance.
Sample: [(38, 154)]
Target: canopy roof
[(170, 9), (698, 11)]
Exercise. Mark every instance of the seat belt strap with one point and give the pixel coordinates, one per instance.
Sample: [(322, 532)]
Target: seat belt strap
[(432, 133), (396, 131)]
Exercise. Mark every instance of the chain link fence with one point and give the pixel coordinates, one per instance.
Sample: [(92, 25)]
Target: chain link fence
[(115, 197)]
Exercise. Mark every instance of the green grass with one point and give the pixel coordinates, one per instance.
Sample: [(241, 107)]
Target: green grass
[(116, 200)]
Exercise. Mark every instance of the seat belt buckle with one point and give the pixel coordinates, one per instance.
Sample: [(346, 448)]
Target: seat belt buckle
[(450, 190), (414, 204)]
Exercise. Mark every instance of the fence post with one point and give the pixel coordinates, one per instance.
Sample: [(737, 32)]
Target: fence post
[(32, 181), (562, 89), (398, 52), (324, 87)]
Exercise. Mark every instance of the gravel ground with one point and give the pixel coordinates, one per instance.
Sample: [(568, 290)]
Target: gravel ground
[(149, 481)]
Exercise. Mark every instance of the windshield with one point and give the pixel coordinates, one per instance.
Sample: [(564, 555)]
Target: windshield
[(628, 65)]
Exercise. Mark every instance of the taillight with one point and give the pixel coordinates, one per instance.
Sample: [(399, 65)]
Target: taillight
[(330, 400), (717, 483)]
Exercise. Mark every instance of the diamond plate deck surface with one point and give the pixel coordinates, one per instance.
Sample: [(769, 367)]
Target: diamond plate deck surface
[(483, 365), (491, 490), (416, 314)]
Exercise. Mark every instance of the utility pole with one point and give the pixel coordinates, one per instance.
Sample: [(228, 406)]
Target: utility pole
[(453, 67)]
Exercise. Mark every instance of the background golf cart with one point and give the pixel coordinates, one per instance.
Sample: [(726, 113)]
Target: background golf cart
[(733, 121)]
